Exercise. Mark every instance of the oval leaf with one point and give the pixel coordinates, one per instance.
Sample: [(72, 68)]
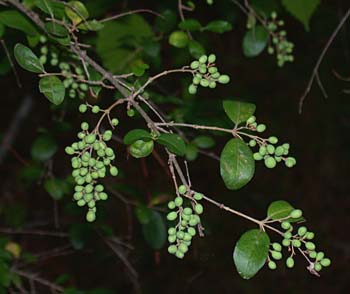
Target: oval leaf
[(237, 111), (237, 164), (174, 143), (43, 148), (154, 231), (55, 187), (56, 29), (14, 19), (251, 252), (178, 39), (190, 25), (27, 59), (281, 209), (53, 88), (218, 26), (204, 142), (255, 41), (76, 12), (137, 134)]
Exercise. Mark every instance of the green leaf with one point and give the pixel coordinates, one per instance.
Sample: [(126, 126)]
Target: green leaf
[(302, 10), (136, 134), (56, 29), (255, 41), (91, 25), (143, 214), (14, 19), (237, 164), (281, 209), (251, 252), (174, 143), (154, 231), (178, 39), (5, 274), (237, 111), (2, 30), (218, 26), (140, 148), (166, 23), (204, 142), (53, 88), (191, 152), (43, 148), (52, 8), (27, 59), (76, 12), (190, 24), (138, 67), (55, 187), (196, 49)]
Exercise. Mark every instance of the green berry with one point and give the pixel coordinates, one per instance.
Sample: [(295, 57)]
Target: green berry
[(310, 246), (302, 231), (115, 122), (317, 267), (178, 201), (270, 149), (224, 79), (252, 143), (182, 189), (313, 254), (198, 208), (171, 238), (187, 211), (203, 59), (211, 58), (286, 242), (196, 80), (90, 216), (113, 171), (204, 83), (180, 235), (319, 256), (257, 156), (172, 249), (279, 151), (287, 235), (183, 248), (325, 262), (273, 140), (260, 128), (309, 235), (251, 120), (194, 64), (296, 243), (270, 162), (285, 225), (90, 139), (212, 69), (198, 196), (171, 204), (179, 254), (290, 262), (191, 231), (107, 135), (69, 150), (192, 89), (212, 84), (276, 246), (171, 216), (296, 213), (130, 112), (84, 126), (276, 255), (171, 231), (290, 162), (272, 265), (262, 150), (95, 109)]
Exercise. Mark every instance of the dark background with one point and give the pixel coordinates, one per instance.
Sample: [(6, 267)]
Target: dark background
[(319, 183)]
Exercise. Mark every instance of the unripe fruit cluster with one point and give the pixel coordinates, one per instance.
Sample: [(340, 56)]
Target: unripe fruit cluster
[(300, 240), (91, 160), (280, 45), (206, 74), (73, 73), (180, 235), (268, 151)]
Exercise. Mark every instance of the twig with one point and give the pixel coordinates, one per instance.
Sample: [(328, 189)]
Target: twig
[(320, 59), (131, 12)]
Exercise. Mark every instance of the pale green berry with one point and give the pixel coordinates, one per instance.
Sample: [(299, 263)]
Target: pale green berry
[(194, 64), (179, 254), (273, 140), (69, 150), (302, 231), (270, 149), (198, 208), (180, 235), (310, 246), (287, 235), (257, 156), (260, 128), (319, 256), (313, 254), (113, 171), (318, 267), (212, 69), (192, 89), (130, 112), (204, 83), (276, 246), (272, 265), (290, 262), (203, 59), (191, 231), (172, 249), (251, 120), (276, 255), (183, 248), (187, 211), (171, 238), (224, 79), (182, 189), (115, 122), (285, 225), (296, 243), (279, 151), (171, 204), (270, 162), (103, 196), (95, 109), (262, 150), (84, 126), (196, 80), (211, 58), (202, 69), (212, 85), (286, 242), (296, 213), (290, 162), (172, 231), (89, 139), (171, 216), (309, 235), (198, 196), (90, 216), (252, 143), (325, 262), (178, 201)]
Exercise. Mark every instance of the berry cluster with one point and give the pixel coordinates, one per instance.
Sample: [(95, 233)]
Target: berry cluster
[(280, 45), (180, 236), (301, 241), (206, 74), (268, 150), (73, 73), (91, 160)]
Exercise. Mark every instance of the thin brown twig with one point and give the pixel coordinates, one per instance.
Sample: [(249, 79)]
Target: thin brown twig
[(114, 17)]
